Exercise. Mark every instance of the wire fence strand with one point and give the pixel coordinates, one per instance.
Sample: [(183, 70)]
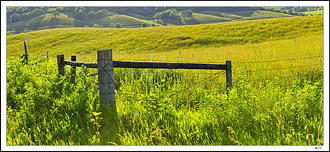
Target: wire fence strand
[(283, 68), (195, 92), (221, 72), (253, 62), (248, 62)]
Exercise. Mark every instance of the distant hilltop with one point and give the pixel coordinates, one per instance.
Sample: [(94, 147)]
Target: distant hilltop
[(25, 19)]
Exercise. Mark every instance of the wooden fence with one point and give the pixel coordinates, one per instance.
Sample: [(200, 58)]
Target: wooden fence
[(105, 66)]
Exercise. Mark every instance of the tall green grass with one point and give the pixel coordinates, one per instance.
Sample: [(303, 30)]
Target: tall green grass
[(46, 109)]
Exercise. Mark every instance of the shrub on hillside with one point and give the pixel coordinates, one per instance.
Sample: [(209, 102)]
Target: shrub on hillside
[(144, 25)]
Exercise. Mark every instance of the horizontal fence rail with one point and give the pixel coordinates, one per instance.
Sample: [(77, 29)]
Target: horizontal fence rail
[(154, 65), (80, 64)]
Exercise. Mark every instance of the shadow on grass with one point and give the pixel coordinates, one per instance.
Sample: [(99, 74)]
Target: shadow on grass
[(109, 126)]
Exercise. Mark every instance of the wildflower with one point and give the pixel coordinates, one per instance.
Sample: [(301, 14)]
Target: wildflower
[(309, 135)]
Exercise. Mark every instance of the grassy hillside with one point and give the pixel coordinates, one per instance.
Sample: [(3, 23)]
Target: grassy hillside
[(132, 17), (128, 21), (205, 19), (276, 98), (314, 13), (267, 14), (42, 22), (154, 39), (222, 14), (247, 15)]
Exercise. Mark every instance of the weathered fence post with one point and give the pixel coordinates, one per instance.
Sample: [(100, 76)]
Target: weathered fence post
[(228, 74), (73, 70), (26, 54), (105, 76), (60, 59), (25, 48)]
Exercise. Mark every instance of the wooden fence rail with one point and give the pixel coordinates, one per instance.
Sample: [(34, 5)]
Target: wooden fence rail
[(105, 67), (154, 65)]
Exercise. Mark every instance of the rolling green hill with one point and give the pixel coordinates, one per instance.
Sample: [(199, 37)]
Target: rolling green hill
[(222, 14), (205, 19), (314, 13), (247, 15), (128, 21), (41, 22), (65, 17), (150, 39), (267, 14)]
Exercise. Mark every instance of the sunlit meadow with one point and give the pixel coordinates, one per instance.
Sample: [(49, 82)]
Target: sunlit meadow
[(276, 99)]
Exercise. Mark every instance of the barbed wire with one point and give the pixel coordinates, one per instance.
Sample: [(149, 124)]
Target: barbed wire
[(250, 62), (186, 100), (281, 78), (283, 68), (281, 60), (221, 72), (195, 93)]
